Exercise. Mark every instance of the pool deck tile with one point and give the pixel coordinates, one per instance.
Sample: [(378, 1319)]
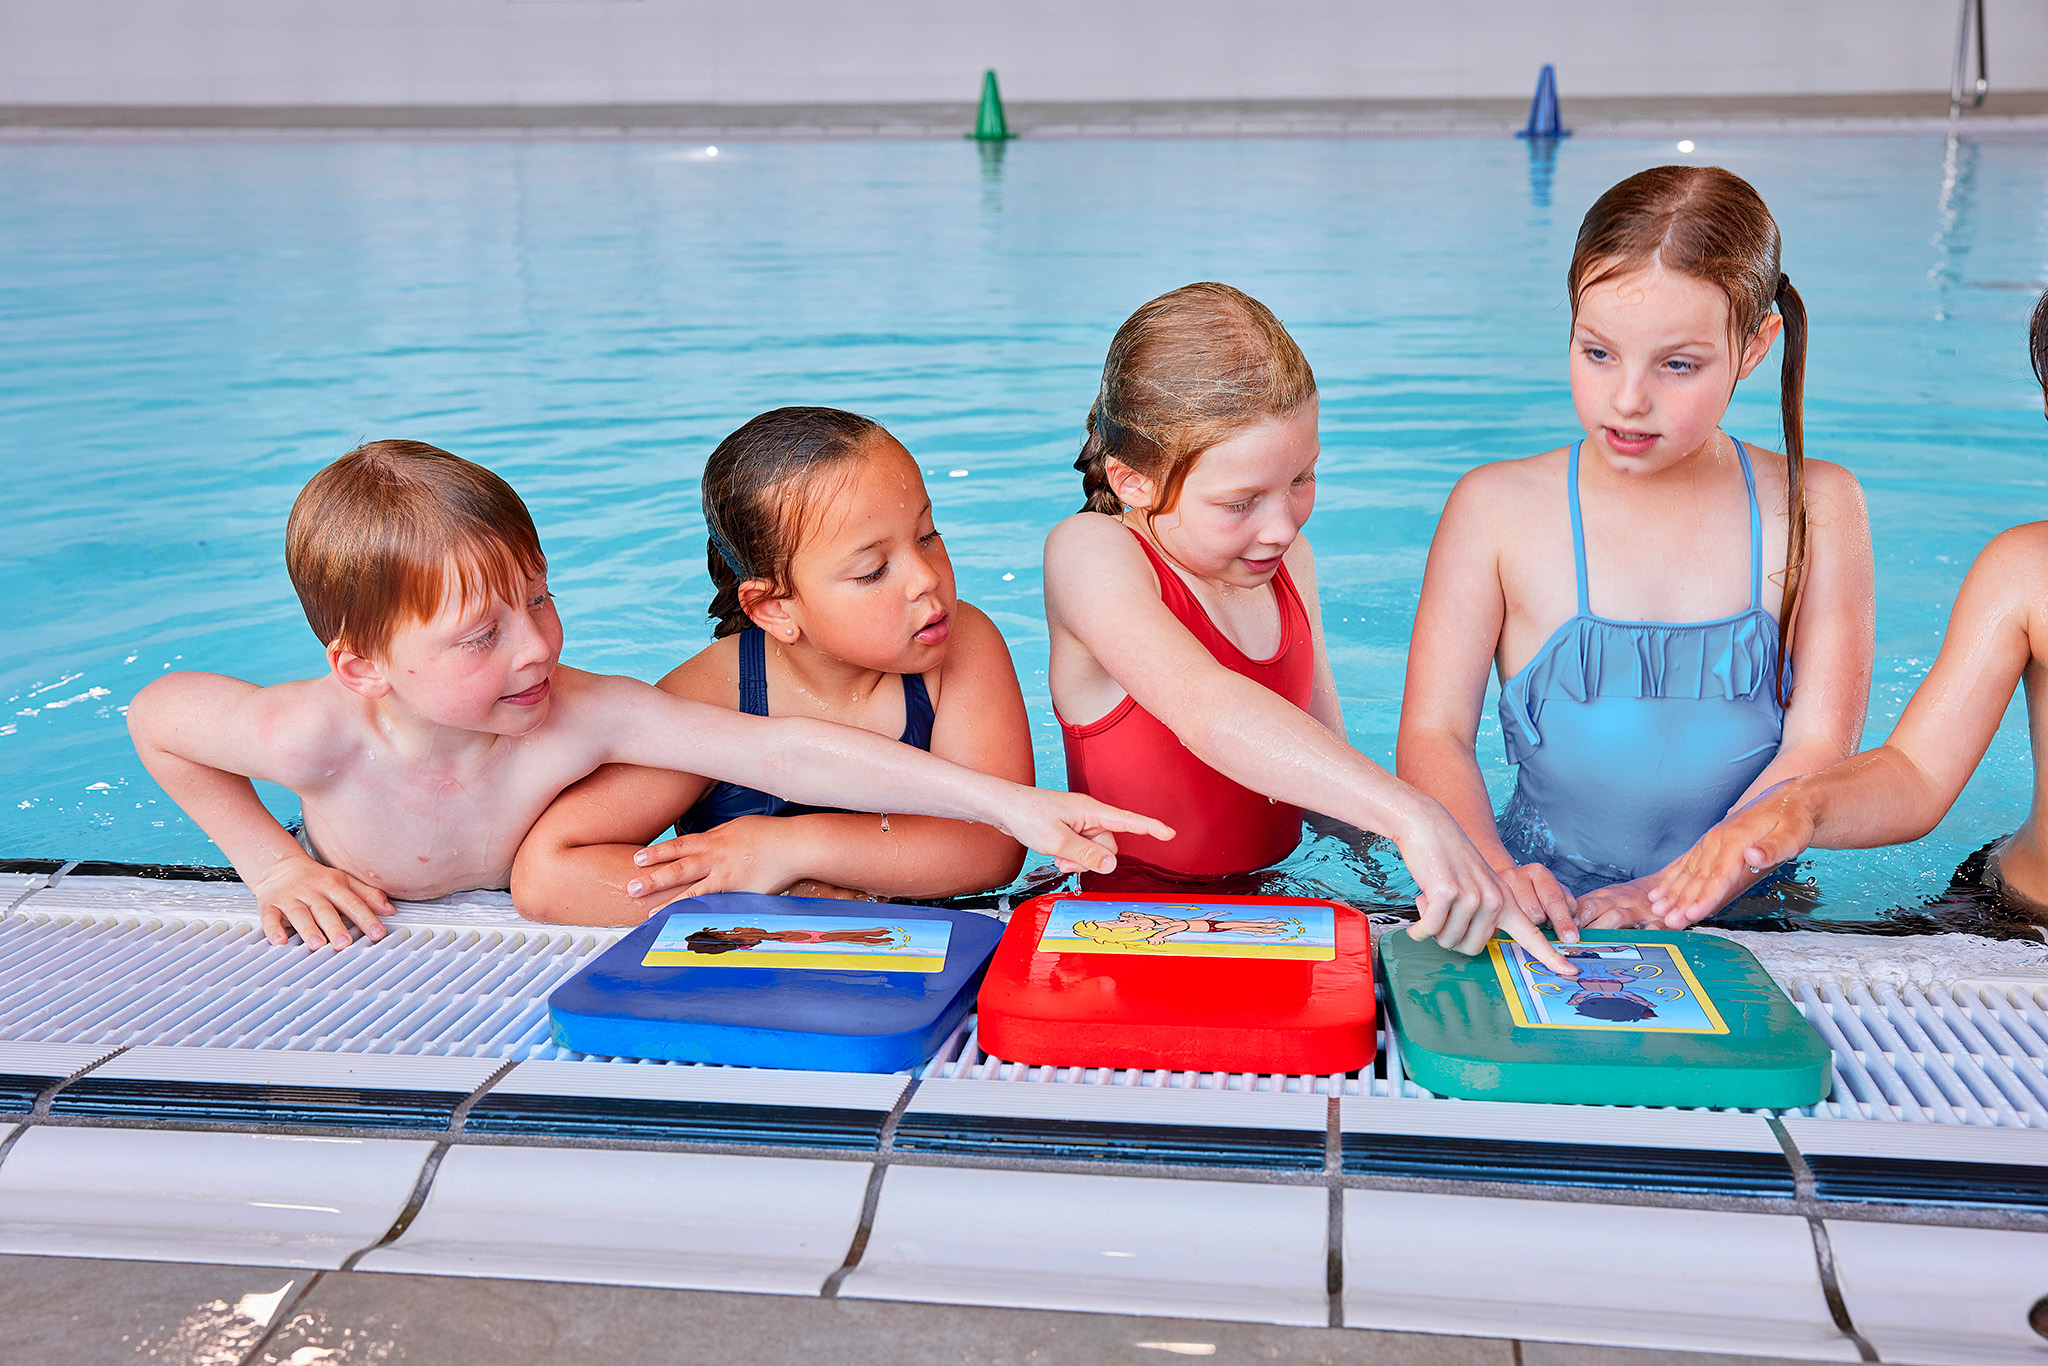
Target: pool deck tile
[(74, 1311), (1942, 1296), (634, 1218), (491, 1323), (1678, 1279)]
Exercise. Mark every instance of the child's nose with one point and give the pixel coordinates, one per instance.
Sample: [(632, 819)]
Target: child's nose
[(922, 578)]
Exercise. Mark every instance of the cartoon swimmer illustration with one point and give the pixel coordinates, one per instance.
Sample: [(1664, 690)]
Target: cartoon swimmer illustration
[(709, 940), (1140, 927)]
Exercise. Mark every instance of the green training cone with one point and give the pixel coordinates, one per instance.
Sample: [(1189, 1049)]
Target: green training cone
[(989, 123)]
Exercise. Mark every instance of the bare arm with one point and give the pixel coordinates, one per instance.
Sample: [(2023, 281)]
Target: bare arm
[(582, 863), (1100, 588), (1458, 625), (817, 763), (1901, 790), (203, 737)]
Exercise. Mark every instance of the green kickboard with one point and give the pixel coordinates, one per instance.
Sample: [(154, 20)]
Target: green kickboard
[(1656, 1018)]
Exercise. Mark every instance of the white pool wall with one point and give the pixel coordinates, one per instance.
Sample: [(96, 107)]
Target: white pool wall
[(553, 52)]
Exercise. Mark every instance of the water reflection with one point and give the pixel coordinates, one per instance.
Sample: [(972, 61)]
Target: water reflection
[(992, 154), (1542, 170), (1951, 240)]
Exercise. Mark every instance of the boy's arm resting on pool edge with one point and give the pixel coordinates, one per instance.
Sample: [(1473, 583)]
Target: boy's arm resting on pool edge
[(203, 737), (1101, 588), (818, 763), (1899, 791), (1451, 653)]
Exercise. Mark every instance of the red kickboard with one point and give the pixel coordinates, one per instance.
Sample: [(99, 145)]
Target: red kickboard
[(1188, 982)]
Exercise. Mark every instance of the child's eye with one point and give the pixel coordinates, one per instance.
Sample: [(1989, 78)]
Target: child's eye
[(874, 575), (482, 640), (538, 598), (1594, 352), (929, 537), (1305, 477), (1679, 365), (1239, 507)]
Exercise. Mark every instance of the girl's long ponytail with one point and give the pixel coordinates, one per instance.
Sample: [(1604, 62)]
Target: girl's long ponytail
[(1791, 394)]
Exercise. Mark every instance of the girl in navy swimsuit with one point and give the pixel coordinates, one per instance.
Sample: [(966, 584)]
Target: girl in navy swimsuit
[(834, 600)]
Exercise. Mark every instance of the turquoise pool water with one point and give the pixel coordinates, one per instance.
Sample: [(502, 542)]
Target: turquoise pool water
[(188, 331)]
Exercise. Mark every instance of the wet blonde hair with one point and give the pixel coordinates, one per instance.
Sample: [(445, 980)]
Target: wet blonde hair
[(373, 538), (1189, 369)]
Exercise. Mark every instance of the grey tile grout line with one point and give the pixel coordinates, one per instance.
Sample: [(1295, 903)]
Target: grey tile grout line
[(40, 1108), (1823, 1248), (280, 1318), (871, 1199), (1333, 1236), (429, 1169), (45, 885)]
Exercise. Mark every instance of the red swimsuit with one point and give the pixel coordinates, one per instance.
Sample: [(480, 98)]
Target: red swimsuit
[(1130, 759)]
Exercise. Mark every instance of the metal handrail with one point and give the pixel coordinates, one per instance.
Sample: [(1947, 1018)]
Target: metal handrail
[(1964, 29)]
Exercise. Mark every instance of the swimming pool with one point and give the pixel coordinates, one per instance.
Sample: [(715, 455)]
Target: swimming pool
[(190, 330)]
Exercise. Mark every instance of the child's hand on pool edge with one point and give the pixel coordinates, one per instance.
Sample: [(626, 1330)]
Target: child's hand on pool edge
[(1732, 856), (318, 902)]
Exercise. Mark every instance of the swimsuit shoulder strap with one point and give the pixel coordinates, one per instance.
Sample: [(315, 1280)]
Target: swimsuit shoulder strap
[(1756, 530), (754, 671), (1579, 530), (917, 711)]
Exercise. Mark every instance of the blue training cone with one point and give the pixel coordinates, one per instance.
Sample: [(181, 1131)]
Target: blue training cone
[(1543, 116)]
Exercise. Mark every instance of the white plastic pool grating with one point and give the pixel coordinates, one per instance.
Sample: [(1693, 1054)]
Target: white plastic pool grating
[(119, 962)]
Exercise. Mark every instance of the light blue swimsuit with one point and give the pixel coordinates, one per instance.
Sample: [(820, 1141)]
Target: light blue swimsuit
[(1633, 738)]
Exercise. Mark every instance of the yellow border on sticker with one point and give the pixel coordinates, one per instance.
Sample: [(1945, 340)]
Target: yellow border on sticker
[(1315, 953), (858, 962), (1505, 971)]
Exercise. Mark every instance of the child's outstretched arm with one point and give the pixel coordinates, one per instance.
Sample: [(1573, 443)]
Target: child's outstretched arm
[(818, 763), (588, 859), (1450, 653), (1099, 586), (202, 737), (1901, 790)]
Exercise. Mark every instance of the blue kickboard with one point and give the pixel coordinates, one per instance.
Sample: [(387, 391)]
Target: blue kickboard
[(717, 992)]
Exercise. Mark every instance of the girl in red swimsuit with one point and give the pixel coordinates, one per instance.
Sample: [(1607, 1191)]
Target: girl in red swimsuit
[(1188, 666)]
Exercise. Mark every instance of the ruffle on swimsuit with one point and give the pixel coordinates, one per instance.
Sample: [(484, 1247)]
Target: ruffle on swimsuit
[(1734, 659)]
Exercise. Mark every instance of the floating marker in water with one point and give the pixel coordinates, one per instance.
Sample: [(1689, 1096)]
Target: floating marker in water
[(989, 123), (1544, 121)]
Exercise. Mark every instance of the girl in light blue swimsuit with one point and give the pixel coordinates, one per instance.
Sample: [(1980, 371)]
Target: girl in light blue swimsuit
[(1632, 737), (1634, 733)]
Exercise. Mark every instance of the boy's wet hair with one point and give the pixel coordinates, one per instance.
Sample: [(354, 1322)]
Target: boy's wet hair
[(761, 487), (1189, 369), (1712, 225), (2037, 343), (373, 538)]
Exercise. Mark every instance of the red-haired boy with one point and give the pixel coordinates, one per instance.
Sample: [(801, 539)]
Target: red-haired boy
[(445, 724)]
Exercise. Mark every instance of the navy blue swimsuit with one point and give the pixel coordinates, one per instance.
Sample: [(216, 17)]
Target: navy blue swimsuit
[(727, 801)]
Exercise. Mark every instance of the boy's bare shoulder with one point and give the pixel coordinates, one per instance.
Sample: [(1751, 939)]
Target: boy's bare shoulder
[(310, 728)]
